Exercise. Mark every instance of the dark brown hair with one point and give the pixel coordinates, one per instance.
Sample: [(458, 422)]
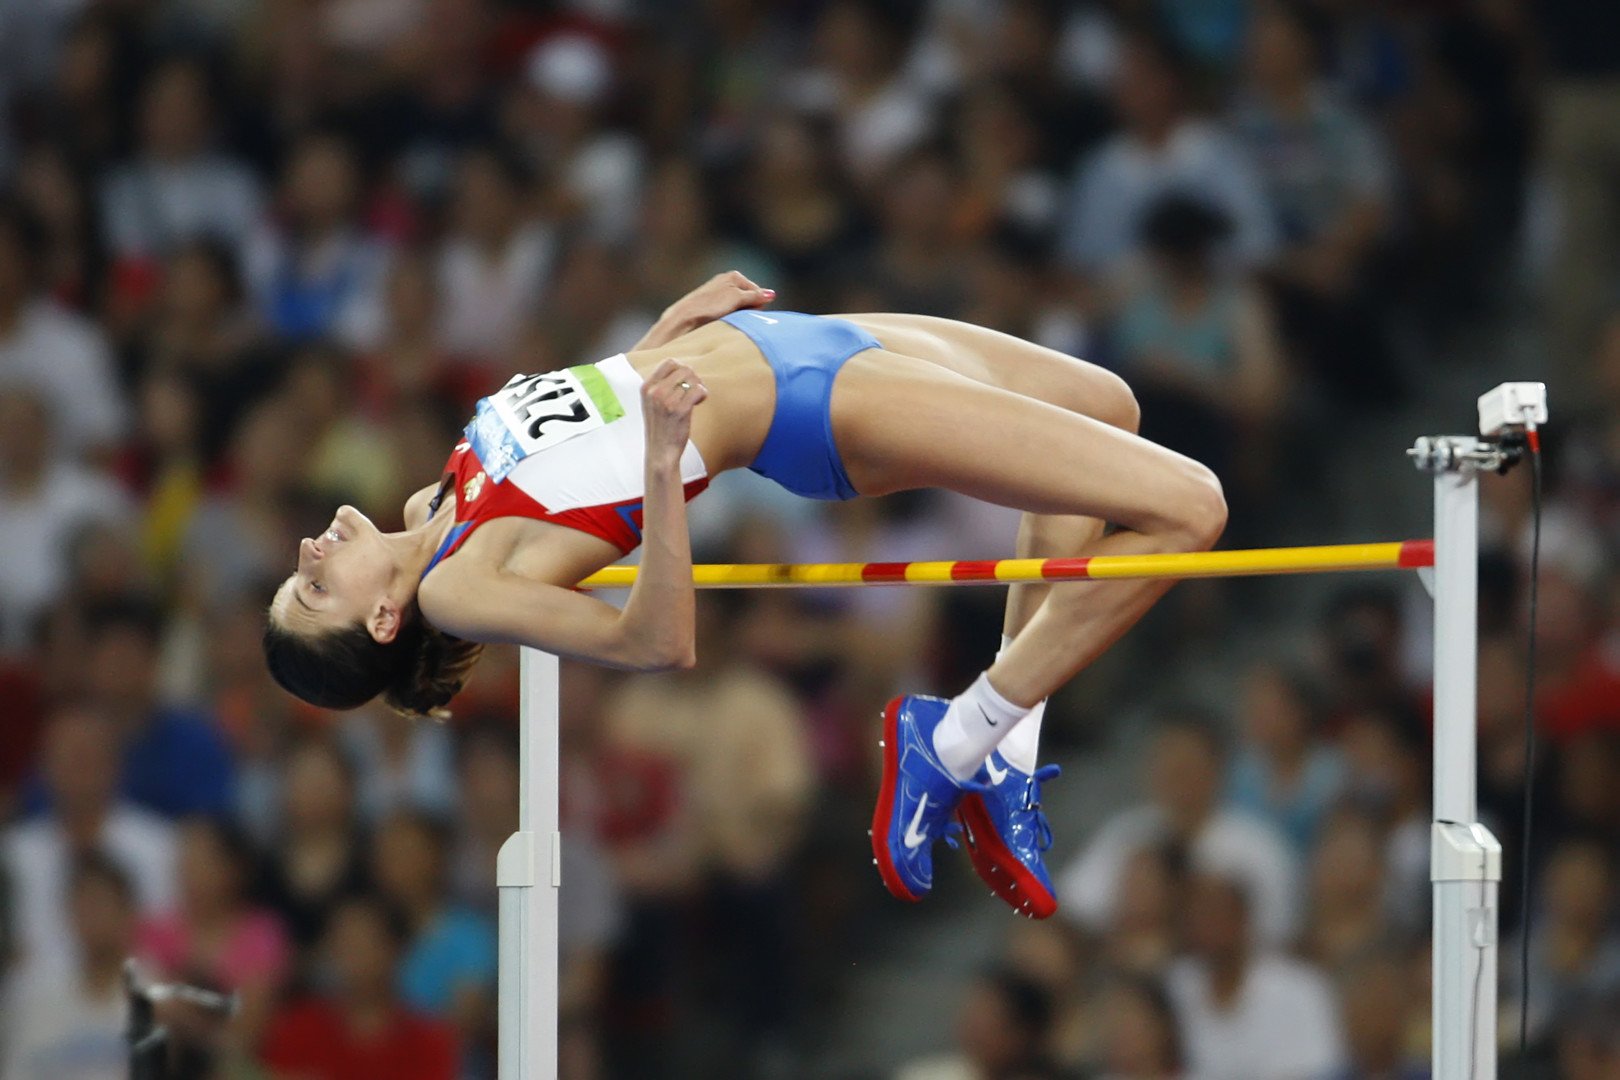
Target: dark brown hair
[(416, 674)]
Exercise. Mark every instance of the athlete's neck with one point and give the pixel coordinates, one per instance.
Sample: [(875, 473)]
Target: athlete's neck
[(414, 549)]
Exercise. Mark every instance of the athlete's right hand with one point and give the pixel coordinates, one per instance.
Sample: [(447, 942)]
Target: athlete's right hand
[(668, 397)]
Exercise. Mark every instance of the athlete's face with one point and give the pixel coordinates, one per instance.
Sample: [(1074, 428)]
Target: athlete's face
[(343, 577)]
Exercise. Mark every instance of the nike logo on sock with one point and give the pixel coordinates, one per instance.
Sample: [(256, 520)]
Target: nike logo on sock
[(986, 716), (913, 838)]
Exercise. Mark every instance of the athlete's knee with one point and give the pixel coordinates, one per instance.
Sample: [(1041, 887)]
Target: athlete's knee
[(1124, 411), (1200, 509)]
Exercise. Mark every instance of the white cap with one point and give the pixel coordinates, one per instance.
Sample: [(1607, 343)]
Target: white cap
[(571, 67)]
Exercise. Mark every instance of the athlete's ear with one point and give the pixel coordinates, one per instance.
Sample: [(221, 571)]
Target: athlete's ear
[(383, 622)]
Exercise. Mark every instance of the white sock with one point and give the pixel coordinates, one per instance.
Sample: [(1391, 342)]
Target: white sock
[(976, 721), (1021, 746)]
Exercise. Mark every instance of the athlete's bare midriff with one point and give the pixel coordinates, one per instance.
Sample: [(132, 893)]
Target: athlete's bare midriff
[(731, 425), (728, 430)]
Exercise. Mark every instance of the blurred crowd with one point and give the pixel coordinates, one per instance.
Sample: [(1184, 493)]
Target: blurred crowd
[(259, 256)]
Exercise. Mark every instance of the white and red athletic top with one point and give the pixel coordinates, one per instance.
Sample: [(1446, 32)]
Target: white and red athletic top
[(567, 447)]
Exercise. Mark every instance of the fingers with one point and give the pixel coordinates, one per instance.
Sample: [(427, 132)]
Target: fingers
[(674, 387), (748, 294)]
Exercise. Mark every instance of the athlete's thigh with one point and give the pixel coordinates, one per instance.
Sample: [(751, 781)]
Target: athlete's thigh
[(901, 422), (999, 359)]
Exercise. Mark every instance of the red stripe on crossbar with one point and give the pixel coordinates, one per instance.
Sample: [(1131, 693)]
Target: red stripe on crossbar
[(974, 570), (884, 571), (1065, 569), (1416, 553)]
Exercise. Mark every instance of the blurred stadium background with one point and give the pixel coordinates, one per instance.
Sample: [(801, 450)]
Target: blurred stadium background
[(259, 256)]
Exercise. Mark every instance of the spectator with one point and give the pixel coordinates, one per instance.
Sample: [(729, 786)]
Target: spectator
[(359, 1027), (1143, 935), (1327, 181), (70, 260), (239, 535), (258, 719), (176, 761), (215, 936), (1386, 777), (1284, 774), (496, 260), (1183, 778), (314, 270), (447, 969), (318, 857), (1162, 148), (401, 765), (1140, 1040), (70, 1023), (347, 453), (176, 188), (486, 814), (859, 83), (1579, 101), (1052, 954), (64, 357), (403, 360), (1245, 1012), (1363, 632), (562, 121), (79, 762), (793, 206), (80, 102), (46, 499), (165, 465), (678, 239), (1001, 1030), (1574, 945), (1199, 346), (1378, 1003), (1348, 916), (201, 324), (1588, 1047), (1006, 181), (915, 266)]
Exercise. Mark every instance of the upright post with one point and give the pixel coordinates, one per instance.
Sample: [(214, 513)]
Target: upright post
[(1465, 859), (528, 873)]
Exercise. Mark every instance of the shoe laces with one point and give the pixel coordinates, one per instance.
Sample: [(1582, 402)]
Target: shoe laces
[(1032, 804)]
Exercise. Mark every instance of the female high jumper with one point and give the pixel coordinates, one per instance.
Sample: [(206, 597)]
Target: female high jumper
[(559, 475)]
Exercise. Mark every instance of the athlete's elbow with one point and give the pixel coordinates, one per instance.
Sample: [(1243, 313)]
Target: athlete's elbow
[(670, 659), (673, 653)]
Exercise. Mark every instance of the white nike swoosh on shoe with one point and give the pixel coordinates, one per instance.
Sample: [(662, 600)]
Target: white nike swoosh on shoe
[(762, 318), (996, 775), (913, 838)]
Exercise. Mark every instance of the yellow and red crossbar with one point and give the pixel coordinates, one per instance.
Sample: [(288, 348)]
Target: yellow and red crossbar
[(1394, 555)]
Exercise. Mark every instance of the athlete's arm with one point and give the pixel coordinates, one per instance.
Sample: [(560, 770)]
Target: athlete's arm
[(655, 631), (661, 617), (717, 297)]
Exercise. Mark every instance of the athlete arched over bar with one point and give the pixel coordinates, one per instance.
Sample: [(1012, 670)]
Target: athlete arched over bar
[(561, 474)]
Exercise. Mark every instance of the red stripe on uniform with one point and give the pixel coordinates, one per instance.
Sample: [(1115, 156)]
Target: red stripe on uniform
[(974, 570), (884, 571), (1064, 569), (1415, 553)]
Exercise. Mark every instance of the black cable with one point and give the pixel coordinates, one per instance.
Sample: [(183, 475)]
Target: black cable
[(1533, 442)]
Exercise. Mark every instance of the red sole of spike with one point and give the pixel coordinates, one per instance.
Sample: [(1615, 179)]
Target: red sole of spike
[(998, 867), (885, 807)]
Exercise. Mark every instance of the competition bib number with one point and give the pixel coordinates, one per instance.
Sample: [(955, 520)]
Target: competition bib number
[(536, 412)]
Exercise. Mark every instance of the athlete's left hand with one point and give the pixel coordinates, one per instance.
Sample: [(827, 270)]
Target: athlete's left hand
[(718, 297), (668, 397)]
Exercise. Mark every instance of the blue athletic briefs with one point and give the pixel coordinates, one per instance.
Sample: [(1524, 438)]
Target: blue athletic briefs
[(806, 352)]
